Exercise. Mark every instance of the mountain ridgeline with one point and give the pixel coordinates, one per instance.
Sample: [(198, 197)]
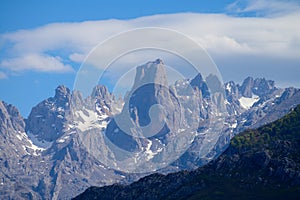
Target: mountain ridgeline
[(261, 163), (69, 143)]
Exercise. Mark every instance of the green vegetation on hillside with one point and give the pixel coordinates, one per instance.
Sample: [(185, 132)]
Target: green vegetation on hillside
[(268, 136)]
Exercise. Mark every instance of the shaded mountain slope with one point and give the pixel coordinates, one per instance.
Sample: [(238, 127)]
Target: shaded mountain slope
[(62, 148), (259, 164)]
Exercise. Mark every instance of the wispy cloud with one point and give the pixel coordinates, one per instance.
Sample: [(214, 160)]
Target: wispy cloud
[(49, 47), (264, 7), (52, 47), (36, 62)]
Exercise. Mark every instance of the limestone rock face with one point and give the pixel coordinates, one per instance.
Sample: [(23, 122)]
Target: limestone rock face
[(69, 142), (47, 119)]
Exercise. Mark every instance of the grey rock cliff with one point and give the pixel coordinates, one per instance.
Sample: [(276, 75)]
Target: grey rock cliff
[(77, 130), (46, 120)]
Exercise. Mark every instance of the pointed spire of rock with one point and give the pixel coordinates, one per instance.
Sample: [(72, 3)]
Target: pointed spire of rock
[(151, 72), (101, 91), (200, 84), (62, 94), (246, 88)]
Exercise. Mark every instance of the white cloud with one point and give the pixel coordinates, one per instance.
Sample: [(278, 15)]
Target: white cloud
[(76, 57), (36, 62), (213, 31), (264, 7), (49, 47)]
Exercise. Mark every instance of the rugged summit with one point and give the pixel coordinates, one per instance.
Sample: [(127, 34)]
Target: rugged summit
[(10, 119), (201, 85), (259, 164), (151, 115), (12, 130), (46, 120), (151, 72), (15, 150), (259, 86), (69, 142)]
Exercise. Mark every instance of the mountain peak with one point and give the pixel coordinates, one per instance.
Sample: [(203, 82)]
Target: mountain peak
[(200, 84), (150, 88), (151, 72), (62, 94), (159, 61), (246, 88), (100, 91), (10, 117), (262, 86), (258, 86), (197, 79), (46, 120)]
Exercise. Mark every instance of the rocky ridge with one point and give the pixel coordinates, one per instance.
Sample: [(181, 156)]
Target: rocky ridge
[(51, 159), (259, 164)]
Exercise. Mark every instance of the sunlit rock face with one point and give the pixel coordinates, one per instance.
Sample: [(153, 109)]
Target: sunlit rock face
[(69, 142)]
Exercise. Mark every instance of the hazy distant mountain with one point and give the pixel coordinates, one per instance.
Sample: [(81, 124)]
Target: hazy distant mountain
[(69, 143)]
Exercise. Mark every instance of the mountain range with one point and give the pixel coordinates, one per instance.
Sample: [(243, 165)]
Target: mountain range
[(70, 142), (260, 163)]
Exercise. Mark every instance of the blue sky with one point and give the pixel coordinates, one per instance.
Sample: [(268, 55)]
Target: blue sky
[(16, 14), (42, 43)]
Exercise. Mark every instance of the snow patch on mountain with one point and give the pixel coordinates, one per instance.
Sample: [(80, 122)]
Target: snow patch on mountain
[(248, 102), (89, 119), (39, 144), (36, 150), (149, 152), (228, 87)]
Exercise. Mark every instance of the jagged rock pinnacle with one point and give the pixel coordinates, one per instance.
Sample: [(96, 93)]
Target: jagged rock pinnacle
[(151, 72)]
